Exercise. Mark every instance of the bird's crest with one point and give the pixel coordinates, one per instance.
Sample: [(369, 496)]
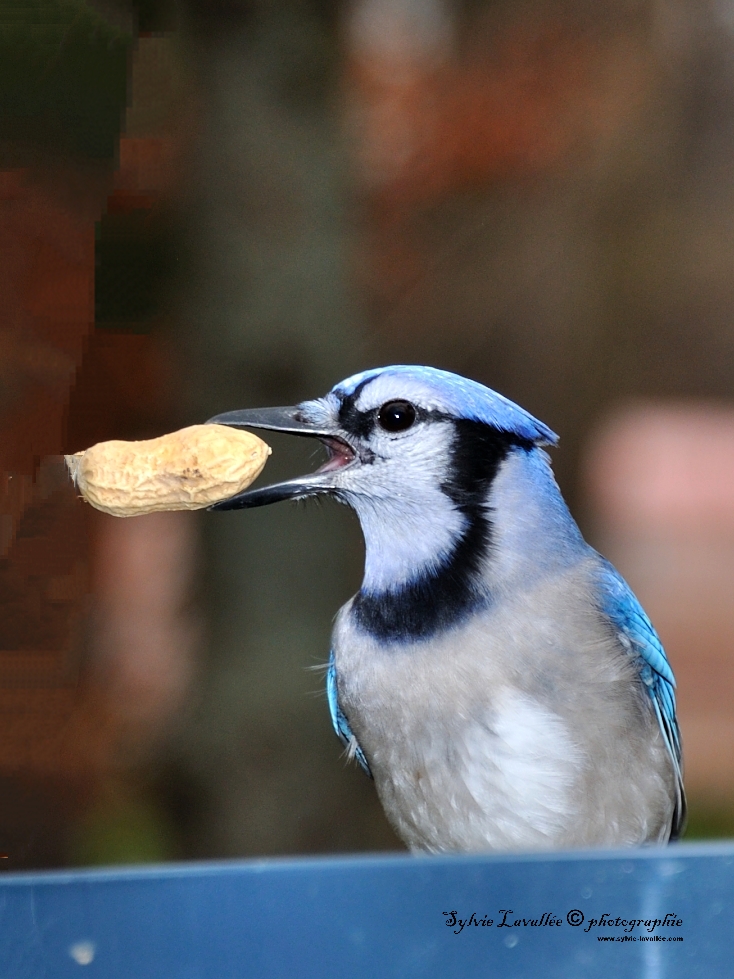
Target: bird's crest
[(450, 393)]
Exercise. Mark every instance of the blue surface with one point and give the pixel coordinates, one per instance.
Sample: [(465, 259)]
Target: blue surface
[(374, 917)]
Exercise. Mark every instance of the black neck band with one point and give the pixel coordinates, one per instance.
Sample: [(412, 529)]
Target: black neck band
[(439, 600)]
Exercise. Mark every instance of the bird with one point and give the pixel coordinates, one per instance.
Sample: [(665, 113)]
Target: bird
[(494, 674)]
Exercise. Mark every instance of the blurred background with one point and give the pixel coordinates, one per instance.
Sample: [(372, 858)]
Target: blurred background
[(215, 204)]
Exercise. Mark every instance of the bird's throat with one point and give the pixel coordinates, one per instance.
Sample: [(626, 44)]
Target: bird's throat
[(430, 595)]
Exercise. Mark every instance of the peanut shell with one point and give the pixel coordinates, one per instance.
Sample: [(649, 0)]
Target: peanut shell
[(185, 470)]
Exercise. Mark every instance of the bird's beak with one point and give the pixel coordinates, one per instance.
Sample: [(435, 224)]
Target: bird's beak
[(294, 421)]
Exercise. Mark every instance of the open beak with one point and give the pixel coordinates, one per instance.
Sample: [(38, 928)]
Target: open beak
[(293, 421)]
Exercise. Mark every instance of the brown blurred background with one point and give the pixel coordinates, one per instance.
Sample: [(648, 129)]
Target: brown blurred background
[(212, 204)]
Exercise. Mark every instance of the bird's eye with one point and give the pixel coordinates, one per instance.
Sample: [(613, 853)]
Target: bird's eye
[(396, 416)]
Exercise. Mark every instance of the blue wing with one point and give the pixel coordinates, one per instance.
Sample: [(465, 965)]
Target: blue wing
[(339, 720), (636, 632)]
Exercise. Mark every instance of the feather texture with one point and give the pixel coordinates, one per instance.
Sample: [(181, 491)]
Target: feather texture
[(636, 632), (338, 718)]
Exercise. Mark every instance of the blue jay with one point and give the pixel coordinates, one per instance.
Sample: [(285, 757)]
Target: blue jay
[(494, 674)]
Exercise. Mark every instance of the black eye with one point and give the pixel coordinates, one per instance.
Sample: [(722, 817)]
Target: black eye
[(396, 416)]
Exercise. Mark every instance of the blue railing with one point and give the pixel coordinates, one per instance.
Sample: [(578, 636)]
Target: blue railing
[(653, 914)]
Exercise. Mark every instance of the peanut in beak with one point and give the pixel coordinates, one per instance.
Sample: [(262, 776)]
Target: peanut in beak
[(185, 470)]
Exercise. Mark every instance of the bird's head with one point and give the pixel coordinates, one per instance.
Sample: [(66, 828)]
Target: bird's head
[(414, 451)]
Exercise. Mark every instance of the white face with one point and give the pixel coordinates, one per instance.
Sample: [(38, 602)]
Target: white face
[(403, 447)]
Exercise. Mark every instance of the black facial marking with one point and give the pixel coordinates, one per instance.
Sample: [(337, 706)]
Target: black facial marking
[(441, 599), (393, 416), (359, 424)]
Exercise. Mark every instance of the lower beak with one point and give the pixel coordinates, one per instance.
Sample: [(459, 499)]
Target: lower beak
[(290, 420)]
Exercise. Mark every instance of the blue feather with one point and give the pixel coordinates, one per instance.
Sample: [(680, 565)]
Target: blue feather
[(636, 632), (462, 398), (339, 720)]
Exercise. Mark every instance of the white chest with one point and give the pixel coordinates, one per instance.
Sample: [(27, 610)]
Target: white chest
[(463, 759)]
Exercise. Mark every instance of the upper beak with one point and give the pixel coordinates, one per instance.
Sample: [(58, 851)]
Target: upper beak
[(293, 421)]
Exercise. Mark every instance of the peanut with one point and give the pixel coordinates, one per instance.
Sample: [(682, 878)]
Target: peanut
[(186, 470)]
